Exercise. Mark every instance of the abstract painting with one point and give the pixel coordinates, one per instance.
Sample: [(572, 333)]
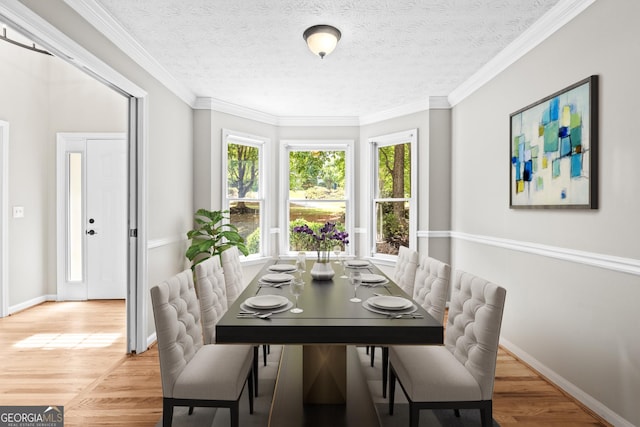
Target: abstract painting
[(554, 150)]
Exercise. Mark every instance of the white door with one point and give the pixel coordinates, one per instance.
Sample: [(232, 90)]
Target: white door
[(106, 218), (92, 216)]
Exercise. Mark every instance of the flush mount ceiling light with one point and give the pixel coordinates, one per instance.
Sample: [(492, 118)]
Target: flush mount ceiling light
[(322, 39)]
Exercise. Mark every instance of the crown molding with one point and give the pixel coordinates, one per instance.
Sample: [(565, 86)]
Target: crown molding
[(439, 103), (320, 121), (558, 16), (93, 13), (205, 103), (392, 113)]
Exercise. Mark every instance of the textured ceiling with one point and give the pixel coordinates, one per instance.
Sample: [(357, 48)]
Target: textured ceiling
[(392, 52)]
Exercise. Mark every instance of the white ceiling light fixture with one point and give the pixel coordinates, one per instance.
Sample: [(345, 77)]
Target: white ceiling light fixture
[(322, 39)]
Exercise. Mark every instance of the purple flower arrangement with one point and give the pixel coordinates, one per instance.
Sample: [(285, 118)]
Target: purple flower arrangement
[(324, 239)]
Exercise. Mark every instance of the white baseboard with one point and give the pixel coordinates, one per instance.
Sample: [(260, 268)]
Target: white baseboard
[(589, 401), (30, 303), (151, 339)]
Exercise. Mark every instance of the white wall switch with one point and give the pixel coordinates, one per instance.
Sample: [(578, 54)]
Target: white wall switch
[(18, 211)]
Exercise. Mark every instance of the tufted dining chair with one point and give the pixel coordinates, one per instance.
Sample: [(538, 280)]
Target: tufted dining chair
[(404, 275), (460, 373), (212, 295), (234, 283), (233, 273), (405, 271), (193, 373), (431, 290)]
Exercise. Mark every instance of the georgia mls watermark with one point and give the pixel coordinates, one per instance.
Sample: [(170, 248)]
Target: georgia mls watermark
[(31, 416)]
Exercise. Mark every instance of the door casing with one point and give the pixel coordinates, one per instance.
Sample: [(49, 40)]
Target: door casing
[(79, 143)]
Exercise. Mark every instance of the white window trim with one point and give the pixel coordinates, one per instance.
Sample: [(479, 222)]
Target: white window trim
[(410, 136), (349, 173), (261, 143)]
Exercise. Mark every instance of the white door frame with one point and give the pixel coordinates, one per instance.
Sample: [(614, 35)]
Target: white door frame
[(65, 142), (4, 220), (17, 15)]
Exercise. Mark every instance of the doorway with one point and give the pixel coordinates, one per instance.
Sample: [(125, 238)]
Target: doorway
[(92, 216), (16, 15)]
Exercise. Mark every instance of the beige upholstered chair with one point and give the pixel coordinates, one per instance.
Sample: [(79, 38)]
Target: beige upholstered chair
[(431, 290), (212, 295), (404, 275), (431, 286), (234, 283), (460, 374), (194, 374), (405, 272), (233, 274)]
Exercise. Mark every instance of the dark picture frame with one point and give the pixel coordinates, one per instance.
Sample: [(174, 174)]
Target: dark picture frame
[(554, 150)]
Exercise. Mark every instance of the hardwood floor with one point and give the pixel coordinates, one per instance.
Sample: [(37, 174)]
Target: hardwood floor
[(73, 354)]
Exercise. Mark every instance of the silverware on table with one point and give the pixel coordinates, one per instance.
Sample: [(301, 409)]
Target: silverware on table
[(243, 314), (405, 315)]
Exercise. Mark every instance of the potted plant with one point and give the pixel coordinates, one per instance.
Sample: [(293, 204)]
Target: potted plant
[(323, 242), (212, 235)]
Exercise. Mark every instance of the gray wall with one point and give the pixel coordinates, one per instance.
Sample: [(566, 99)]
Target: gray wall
[(575, 321), (170, 146), (43, 95)]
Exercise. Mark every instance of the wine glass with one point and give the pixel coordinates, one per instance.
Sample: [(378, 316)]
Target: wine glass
[(336, 251), (356, 279), (344, 268), (301, 262), (296, 287)]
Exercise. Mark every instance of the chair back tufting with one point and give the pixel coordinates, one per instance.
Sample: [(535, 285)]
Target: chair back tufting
[(233, 274), (431, 286), (473, 327), (405, 271), (210, 287), (176, 313)]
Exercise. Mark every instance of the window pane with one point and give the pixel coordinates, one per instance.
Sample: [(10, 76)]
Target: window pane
[(394, 171), (242, 171), (315, 215), (392, 226), (317, 175), (75, 225), (246, 216)]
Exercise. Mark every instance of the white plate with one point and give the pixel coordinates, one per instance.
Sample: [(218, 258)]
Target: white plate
[(281, 309), (373, 278), (283, 268), (266, 301), (357, 263), (390, 302), (277, 277), (387, 312)]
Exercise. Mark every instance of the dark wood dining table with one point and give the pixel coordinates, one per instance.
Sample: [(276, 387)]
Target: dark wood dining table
[(329, 323), (328, 317)]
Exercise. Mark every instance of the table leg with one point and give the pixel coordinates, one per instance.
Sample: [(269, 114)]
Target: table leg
[(324, 374)]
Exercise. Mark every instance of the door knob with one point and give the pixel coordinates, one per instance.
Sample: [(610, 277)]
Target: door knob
[(91, 232)]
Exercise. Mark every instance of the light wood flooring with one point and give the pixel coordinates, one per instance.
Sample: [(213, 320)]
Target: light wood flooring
[(73, 354)]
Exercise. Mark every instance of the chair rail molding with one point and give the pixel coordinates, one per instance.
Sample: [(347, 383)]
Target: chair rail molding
[(610, 262), (165, 241)]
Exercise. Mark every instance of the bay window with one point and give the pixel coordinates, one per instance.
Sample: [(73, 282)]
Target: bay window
[(393, 204), (317, 182), (244, 192)]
